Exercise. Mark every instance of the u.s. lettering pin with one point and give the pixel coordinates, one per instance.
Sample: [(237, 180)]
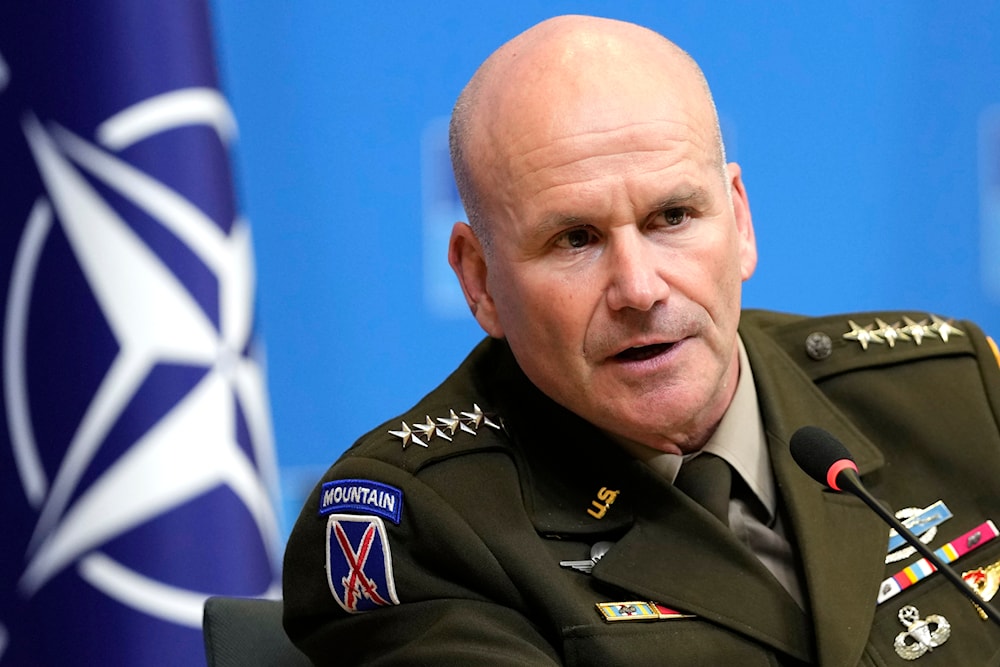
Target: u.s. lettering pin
[(605, 498)]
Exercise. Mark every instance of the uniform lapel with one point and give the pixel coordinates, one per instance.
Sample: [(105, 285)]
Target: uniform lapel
[(667, 548), (671, 551), (841, 543), (677, 554)]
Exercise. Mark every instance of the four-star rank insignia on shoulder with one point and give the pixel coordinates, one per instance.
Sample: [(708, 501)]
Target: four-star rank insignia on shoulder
[(445, 428), (883, 333)]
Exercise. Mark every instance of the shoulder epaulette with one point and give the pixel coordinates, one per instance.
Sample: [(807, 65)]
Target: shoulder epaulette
[(416, 439), (836, 344)]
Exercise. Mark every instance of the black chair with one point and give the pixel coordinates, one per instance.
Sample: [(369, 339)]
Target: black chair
[(241, 632)]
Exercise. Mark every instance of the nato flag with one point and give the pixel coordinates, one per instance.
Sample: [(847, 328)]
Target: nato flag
[(136, 458)]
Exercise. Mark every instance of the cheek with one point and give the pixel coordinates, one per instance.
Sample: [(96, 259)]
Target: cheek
[(520, 305), (554, 312), (712, 279)]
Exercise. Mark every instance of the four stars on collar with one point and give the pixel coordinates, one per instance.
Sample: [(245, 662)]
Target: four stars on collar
[(445, 427), (892, 333)]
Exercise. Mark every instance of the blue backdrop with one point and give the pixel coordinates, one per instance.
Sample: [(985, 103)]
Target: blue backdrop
[(869, 137)]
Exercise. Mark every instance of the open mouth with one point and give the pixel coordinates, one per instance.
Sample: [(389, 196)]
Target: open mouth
[(643, 352)]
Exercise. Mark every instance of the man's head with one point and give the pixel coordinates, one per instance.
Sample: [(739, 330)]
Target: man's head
[(609, 240)]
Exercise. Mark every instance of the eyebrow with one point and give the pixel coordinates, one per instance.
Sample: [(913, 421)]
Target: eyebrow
[(697, 197), (694, 196)]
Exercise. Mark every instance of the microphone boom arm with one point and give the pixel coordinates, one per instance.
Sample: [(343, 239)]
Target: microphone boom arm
[(849, 481)]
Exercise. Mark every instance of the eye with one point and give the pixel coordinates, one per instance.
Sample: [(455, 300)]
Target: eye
[(579, 237), (673, 217)]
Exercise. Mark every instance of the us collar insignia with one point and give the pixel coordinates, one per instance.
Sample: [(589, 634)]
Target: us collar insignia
[(444, 428), (882, 333), (637, 611), (599, 509)]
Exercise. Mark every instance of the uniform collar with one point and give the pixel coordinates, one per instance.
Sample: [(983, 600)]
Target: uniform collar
[(739, 439)]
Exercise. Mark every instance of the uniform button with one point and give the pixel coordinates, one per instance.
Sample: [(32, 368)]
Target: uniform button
[(818, 346)]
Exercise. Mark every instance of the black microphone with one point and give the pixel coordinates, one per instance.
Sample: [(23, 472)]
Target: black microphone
[(826, 460)]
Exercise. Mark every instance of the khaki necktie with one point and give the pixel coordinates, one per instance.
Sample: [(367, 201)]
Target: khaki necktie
[(707, 479)]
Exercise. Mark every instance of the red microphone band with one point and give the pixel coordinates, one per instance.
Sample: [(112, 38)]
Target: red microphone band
[(836, 469)]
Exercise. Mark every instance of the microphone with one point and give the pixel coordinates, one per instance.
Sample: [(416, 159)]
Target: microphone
[(827, 460)]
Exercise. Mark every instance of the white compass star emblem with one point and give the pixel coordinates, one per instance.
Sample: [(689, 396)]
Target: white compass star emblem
[(193, 448)]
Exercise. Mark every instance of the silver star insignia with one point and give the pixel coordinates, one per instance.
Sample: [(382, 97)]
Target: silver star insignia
[(919, 330), (429, 430), (452, 423), (477, 418), (890, 332), (863, 335), (944, 329), (407, 436)]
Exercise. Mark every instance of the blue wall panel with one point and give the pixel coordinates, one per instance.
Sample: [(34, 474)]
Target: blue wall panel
[(869, 138)]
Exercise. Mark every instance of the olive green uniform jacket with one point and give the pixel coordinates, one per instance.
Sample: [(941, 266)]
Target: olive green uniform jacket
[(487, 514)]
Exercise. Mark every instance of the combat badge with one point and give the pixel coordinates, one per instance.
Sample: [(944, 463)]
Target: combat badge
[(922, 523), (921, 635), (359, 563)]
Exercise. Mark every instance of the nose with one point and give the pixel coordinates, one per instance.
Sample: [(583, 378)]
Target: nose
[(634, 276)]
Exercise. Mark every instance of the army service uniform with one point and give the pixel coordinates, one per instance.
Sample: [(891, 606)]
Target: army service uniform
[(437, 538)]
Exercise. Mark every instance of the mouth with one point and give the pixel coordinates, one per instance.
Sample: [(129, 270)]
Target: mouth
[(643, 352)]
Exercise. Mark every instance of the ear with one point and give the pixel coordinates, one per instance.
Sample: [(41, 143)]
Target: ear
[(744, 222), (468, 261)]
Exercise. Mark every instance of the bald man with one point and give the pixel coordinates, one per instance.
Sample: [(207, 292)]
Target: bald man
[(606, 479)]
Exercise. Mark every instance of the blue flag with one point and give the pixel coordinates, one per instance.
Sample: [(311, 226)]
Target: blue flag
[(136, 457)]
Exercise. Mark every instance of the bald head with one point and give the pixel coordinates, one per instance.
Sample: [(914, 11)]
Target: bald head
[(564, 76)]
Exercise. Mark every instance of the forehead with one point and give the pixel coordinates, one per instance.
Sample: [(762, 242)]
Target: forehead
[(593, 171), (576, 103), (619, 146), (594, 120)]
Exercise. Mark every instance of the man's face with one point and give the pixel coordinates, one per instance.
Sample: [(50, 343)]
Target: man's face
[(616, 269)]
